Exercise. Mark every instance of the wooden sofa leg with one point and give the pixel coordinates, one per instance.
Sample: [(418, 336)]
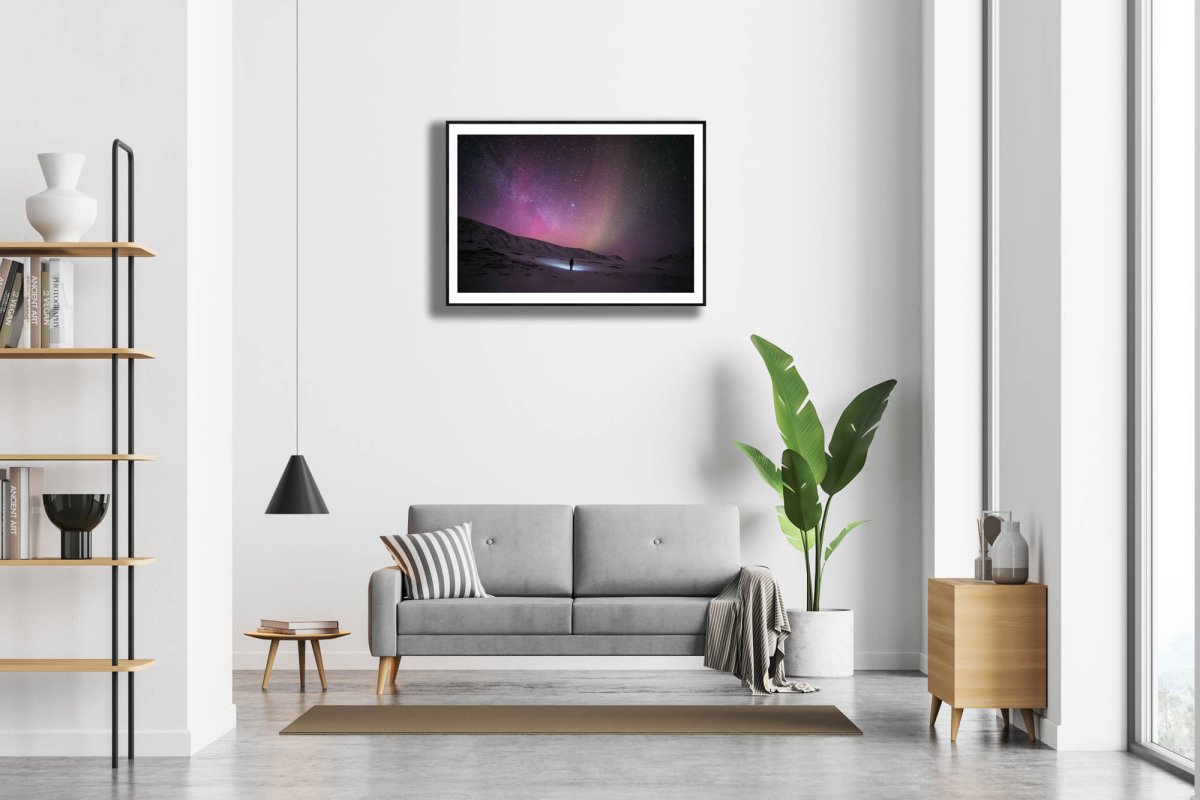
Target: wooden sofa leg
[(395, 669), (387, 665)]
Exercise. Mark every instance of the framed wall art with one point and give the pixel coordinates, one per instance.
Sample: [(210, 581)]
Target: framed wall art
[(575, 213)]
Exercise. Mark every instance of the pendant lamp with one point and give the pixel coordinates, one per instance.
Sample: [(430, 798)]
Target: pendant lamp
[(297, 491)]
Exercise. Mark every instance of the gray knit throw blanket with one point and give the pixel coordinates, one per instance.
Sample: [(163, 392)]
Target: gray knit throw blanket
[(747, 628)]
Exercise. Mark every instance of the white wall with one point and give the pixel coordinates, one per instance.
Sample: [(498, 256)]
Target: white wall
[(1029, 478), (814, 193), (93, 74), (1062, 353)]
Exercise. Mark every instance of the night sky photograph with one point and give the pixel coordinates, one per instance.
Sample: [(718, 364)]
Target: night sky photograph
[(576, 212)]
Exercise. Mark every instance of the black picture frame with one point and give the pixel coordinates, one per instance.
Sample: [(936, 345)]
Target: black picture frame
[(696, 283)]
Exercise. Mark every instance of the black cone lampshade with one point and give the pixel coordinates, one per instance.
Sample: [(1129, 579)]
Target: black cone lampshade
[(297, 491)]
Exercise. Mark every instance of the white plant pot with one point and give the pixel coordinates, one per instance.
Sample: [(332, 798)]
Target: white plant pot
[(61, 213), (821, 644)]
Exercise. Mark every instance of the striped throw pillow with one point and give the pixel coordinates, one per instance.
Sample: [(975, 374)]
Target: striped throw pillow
[(437, 565)]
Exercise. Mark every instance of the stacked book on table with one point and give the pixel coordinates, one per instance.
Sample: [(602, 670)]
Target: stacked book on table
[(298, 627)]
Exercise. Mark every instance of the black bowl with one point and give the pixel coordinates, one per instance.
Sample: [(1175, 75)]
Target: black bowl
[(75, 512)]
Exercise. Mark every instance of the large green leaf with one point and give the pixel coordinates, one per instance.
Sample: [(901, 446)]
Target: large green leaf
[(798, 422), (838, 539), (853, 435), (801, 540), (801, 502), (766, 467)]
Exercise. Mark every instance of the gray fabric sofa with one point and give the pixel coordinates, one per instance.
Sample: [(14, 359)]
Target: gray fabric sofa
[(588, 580)]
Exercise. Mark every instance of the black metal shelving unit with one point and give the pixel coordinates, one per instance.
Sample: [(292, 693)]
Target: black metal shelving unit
[(115, 249), (117, 148)]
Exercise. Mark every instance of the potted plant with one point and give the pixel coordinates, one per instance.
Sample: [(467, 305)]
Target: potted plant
[(822, 640)]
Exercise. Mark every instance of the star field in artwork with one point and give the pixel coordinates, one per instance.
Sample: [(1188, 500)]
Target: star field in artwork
[(618, 194)]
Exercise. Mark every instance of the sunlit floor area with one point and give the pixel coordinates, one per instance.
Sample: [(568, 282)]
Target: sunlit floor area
[(898, 756)]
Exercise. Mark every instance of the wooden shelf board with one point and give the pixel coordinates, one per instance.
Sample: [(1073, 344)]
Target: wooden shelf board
[(125, 561), (10, 458), (74, 664), (53, 353), (74, 249)]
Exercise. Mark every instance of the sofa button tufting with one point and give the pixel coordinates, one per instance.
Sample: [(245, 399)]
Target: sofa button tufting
[(658, 541), (489, 541)]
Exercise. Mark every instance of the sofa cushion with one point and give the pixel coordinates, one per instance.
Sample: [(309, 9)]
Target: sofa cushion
[(639, 615), (654, 550), (519, 550), (491, 615), (437, 564), (452, 645)]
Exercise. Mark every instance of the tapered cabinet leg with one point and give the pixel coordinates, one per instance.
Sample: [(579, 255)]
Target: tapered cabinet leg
[(395, 669), (1004, 713), (1027, 715), (300, 650), (320, 663), (270, 662), (935, 705), (955, 719), (385, 670)]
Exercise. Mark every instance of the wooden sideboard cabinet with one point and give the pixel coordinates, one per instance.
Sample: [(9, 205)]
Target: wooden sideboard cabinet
[(987, 648)]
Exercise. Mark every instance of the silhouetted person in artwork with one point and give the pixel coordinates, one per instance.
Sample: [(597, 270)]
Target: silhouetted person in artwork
[(572, 263)]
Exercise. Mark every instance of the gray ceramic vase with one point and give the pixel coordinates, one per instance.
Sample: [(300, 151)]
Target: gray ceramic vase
[(1010, 555)]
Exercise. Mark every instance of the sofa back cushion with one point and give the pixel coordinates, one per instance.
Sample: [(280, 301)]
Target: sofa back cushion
[(654, 550), (520, 551)]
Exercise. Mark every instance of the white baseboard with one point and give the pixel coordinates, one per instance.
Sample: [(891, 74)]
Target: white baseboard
[(923, 663), (887, 661), (93, 743), (211, 729), (170, 743), (1048, 730), (362, 659)]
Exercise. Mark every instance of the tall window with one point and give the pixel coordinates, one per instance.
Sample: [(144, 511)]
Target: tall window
[(1164, 143)]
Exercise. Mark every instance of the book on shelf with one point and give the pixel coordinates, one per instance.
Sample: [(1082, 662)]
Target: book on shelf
[(7, 276), (31, 328), (43, 537), (5, 488), (18, 325), (44, 281), (11, 299), (61, 276), (23, 529)]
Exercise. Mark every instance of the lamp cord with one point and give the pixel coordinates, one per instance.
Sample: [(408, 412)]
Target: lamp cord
[(297, 227)]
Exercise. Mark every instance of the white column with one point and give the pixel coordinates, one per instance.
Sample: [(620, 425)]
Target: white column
[(1062, 353), (1093, 389), (210, 290), (952, 286)]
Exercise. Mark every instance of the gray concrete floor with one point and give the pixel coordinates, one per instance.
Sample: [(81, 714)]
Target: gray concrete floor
[(898, 756)]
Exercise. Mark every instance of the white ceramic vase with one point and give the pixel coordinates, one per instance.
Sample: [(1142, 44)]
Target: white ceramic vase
[(821, 644), (61, 213)]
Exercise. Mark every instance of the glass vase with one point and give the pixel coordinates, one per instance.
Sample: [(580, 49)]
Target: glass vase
[(983, 566)]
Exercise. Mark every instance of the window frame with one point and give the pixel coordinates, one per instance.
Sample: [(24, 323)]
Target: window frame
[(1140, 433)]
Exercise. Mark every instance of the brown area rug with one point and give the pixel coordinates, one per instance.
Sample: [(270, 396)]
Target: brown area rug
[(789, 720)]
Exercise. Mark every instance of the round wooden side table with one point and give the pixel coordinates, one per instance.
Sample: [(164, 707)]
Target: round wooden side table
[(299, 639)]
